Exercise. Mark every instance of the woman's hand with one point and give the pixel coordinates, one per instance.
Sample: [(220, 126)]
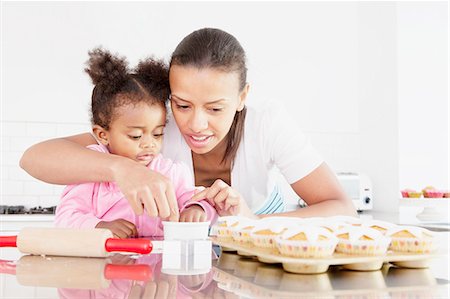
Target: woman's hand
[(194, 213), (224, 199), (120, 228), (146, 189)]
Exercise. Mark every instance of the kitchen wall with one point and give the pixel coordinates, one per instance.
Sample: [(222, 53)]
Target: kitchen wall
[(335, 65)]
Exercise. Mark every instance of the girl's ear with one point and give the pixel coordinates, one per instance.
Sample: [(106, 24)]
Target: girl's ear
[(100, 134), (242, 97)]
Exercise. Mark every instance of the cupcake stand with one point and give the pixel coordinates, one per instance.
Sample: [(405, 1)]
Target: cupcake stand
[(430, 209)]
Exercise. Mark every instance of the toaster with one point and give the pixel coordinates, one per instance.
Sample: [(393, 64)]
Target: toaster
[(359, 188)]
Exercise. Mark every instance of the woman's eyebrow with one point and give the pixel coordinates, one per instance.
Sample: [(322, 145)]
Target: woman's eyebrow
[(210, 102)]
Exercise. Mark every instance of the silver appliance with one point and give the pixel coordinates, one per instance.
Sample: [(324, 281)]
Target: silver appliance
[(359, 188)]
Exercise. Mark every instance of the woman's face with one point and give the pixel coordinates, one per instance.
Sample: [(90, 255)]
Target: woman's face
[(204, 102)]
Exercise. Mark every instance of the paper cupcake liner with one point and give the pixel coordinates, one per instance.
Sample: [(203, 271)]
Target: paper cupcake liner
[(242, 237), (413, 245), (296, 248), (224, 233), (378, 247), (266, 241)]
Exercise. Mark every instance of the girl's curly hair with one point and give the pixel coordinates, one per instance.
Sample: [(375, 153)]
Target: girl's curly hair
[(117, 85)]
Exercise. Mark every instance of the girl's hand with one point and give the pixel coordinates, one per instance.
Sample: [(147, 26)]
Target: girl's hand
[(193, 213), (146, 189), (225, 199), (120, 228)]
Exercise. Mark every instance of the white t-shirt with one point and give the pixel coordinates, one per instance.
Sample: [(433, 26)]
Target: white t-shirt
[(272, 142)]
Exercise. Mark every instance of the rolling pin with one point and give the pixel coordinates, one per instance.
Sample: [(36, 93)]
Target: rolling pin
[(72, 272), (73, 242)]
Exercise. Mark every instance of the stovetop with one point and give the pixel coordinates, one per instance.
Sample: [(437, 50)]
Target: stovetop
[(24, 210)]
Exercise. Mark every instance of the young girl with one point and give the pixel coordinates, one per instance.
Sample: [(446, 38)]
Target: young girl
[(128, 117)]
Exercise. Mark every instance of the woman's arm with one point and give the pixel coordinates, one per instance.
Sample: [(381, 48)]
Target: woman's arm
[(320, 190), (68, 161), (323, 194)]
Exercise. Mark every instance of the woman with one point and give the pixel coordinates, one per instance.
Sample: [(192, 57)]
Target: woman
[(229, 148)]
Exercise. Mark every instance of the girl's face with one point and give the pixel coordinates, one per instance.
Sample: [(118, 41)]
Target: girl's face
[(136, 132), (204, 102)]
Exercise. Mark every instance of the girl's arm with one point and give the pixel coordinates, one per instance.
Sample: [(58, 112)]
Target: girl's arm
[(68, 161)]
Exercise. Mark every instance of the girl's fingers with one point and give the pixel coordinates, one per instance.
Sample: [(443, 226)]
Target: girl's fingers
[(203, 217), (182, 217), (131, 228), (196, 217)]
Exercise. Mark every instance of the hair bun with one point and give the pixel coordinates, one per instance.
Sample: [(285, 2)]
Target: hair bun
[(106, 69), (155, 73)]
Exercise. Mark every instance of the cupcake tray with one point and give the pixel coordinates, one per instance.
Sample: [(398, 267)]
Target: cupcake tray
[(321, 265)]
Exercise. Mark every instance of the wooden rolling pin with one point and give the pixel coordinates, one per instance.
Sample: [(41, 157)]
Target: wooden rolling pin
[(72, 272), (73, 242)]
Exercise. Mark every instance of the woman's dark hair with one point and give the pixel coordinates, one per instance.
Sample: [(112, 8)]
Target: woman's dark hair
[(214, 48), (116, 85)]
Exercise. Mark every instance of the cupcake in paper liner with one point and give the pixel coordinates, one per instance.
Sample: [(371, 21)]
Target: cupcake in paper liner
[(264, 233), (222, 229), (381, 226), (241, 231), (355, 240), (306, 241), (412, 239)]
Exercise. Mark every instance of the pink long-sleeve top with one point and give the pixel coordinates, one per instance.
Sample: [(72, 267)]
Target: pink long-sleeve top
[(85, 205)]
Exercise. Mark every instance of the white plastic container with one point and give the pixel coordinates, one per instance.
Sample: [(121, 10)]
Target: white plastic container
[(185, 230)]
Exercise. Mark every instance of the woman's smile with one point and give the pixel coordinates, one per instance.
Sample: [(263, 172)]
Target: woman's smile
[(199, 141)]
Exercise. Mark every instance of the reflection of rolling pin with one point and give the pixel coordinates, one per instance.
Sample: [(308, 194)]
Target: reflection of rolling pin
[(72, 272), (73, 242)]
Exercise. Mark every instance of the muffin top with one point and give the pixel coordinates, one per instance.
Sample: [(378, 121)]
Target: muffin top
[(354, 233), (379, 225), (308, 233), (270, 227), (229, 221), (410, 232), (244, 224)]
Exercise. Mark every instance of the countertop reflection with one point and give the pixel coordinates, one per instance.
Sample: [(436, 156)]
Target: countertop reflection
[(193, 270), (250, 278)]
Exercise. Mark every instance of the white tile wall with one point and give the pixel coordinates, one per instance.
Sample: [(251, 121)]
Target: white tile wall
[(16, 186), (340, 150)]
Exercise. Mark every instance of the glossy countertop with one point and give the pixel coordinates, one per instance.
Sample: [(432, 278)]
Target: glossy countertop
[(196, 272)]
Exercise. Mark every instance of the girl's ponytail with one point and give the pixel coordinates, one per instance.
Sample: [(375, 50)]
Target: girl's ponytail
[(108, 72), (154, 76)]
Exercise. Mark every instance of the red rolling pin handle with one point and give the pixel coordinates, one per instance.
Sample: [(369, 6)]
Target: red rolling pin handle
[(8, 241), (139, 272), (142, 246)]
